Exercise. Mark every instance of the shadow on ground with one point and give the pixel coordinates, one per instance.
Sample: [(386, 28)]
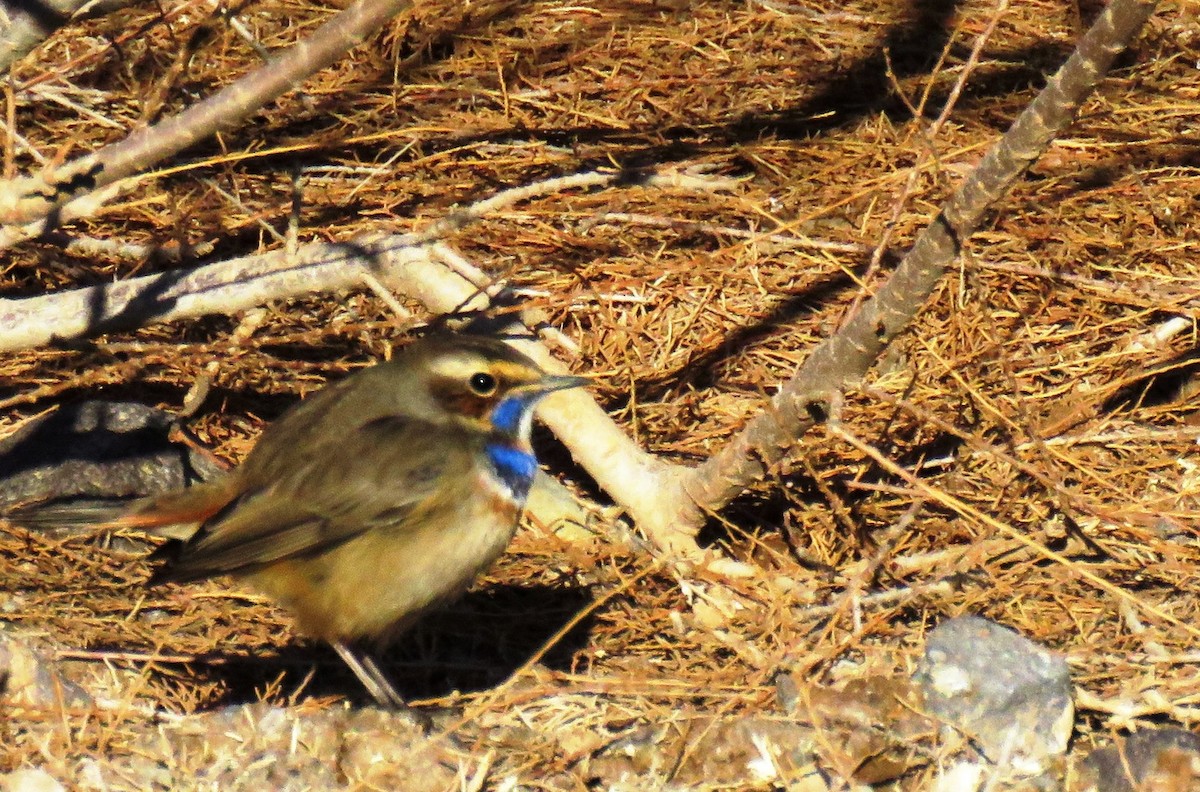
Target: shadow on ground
[(472, 645)]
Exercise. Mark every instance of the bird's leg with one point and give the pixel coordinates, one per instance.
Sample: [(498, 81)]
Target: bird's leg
[(367, 670)]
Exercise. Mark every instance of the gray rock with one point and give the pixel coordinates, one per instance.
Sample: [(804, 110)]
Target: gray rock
[(29, 679), (1011, 697), (1151, 759), (261, 747), (81, 462)]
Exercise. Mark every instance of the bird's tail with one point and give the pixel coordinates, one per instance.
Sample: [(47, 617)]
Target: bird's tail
[(174, 515), (62, 518)]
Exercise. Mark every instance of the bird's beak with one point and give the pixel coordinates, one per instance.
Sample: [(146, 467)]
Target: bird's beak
[(557, 382)]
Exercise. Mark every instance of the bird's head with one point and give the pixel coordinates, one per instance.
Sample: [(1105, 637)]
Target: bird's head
[(483, 383)]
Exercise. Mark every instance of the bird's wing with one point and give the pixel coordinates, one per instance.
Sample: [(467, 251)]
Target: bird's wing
[(390, 471)]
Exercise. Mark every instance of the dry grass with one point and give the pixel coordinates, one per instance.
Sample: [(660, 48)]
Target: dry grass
[(1032, 389)]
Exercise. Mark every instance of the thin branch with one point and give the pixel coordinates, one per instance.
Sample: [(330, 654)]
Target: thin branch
[(415, 265), (238, 284), (633, 477), (31, 202), (225, 287), (847, 356)]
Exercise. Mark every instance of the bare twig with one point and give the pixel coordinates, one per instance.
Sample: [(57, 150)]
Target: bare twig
[(26, 204), (847, 356), (595, 441)]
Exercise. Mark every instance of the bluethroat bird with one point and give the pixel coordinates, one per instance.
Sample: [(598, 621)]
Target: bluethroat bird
[(372, 501)]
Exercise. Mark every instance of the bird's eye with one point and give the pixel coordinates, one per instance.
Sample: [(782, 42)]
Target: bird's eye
[(483, 383)]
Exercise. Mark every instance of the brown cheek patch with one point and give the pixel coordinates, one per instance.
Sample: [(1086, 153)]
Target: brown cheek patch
[(460, 401)]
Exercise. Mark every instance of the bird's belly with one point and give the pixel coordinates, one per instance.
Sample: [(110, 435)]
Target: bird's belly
[(378, 583)]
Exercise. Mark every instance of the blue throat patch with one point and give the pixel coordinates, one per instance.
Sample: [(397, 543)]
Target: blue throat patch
[(512, 466), (507, 415)]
